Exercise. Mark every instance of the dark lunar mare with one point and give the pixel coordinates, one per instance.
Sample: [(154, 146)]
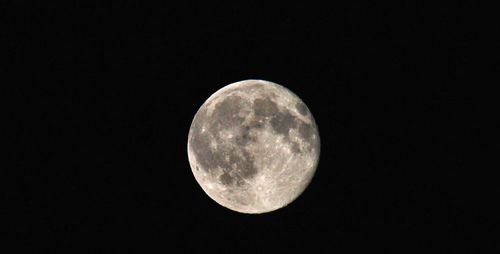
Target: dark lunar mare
[(230, 155), (282, 122), (236, 163)]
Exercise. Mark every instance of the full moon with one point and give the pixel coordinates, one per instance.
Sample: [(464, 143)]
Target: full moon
[(253, 146)]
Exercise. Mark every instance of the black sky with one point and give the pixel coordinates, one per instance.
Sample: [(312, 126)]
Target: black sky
[(103, 96)]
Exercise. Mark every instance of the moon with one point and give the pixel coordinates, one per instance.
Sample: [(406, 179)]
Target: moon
[(253, 146)]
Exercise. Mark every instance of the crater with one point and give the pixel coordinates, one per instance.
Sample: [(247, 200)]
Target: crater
[(301, 108)]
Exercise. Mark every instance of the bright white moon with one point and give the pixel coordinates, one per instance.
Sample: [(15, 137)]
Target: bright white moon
[(253, 146)]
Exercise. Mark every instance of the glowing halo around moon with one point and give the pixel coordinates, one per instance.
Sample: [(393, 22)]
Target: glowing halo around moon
[(253, 146)]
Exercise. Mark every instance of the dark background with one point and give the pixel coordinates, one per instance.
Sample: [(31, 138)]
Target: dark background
[(102, 97)]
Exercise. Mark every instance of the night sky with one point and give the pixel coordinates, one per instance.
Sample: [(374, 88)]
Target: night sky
[(101, 98)]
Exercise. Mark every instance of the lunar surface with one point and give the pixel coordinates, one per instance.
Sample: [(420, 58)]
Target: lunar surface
[(253, 146)]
